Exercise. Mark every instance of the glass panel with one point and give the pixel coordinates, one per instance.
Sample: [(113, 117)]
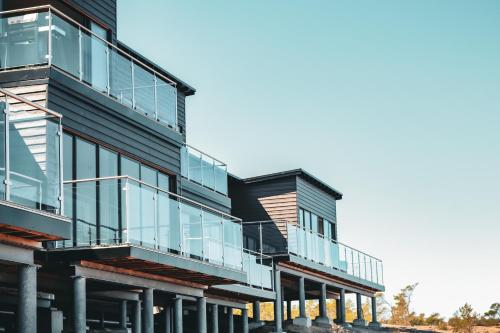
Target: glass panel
[(163, 181), (34, 159), (141, 214), (95, 62), (184, 162), (267, 277), (220, 178), (164, 223), (207, 169), (121, 78), (191, 230), (129, 168), (232, 244), (175, 226), (212, 233), (24, 40), (3, 105), (167, 102), (292, 238), (65, 46), (144, 90), (194, 166), (109, 191), (86, 217)]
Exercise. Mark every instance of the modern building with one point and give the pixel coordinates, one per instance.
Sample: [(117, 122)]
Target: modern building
[(110, 221)]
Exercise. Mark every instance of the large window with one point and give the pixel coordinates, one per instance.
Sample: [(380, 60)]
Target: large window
[(100, 221), (317, 224)]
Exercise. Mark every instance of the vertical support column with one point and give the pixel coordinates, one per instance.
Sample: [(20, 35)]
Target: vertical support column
[(244, 318), (136, 320), (256, 311), (337, 311), (277, 303), (168, 319), (302, 319), (26, 307), (323, 316), (374, 322), (147, 312), (79, 305), (215, 318), (230, 320), (288, 310), (342, 307), (123, 314), (178, 315), (201, 311), (359, 321)]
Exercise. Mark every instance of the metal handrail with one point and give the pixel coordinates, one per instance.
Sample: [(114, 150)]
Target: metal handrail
[(55, 10), (205, 154), (232, 218)]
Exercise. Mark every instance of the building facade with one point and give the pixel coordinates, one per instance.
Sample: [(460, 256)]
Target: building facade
[(110, 221)]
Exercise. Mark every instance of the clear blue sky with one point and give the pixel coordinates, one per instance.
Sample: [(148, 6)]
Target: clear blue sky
[(395, 103)]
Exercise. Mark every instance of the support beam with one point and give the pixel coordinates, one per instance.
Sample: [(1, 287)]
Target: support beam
[(230, 320), (26, 307), (338, 316), (123, 314), (148, 320), (244, 318), (201, 311), (302, 319), (79, 305), (178, 315), (359, 321), (136, 320), (215, 318), (278, 320), (323, 319), (374, 322), (256, 311)]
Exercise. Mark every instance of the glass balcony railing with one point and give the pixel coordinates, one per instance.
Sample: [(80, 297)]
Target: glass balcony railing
[(203, 169), (45, 36), (282, 237), (259, 269), (123, 210), (30, 169)]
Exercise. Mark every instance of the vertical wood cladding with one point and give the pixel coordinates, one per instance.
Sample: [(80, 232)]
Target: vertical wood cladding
[(103, 11), (316, 200), (181, 112)]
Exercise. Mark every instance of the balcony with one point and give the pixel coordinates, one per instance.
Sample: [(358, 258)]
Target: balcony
[(259, 269), (203, 169), (30, 170), (44, 36), (284, 238), (121, 210)]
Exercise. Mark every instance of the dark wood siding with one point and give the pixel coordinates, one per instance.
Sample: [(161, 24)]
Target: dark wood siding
[(103, 11), (315, 200), (102, 119), (262, 201), (181, 112), (205, 196)]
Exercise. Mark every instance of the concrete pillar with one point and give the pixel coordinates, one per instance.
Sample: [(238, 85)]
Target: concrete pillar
[(168, 318), (302, 319), (244, 318), (278, 320), (215, 318), (26, 307), (148, 319), (342, 307), (374, 322), (256, 311), (123, 314), (288, 310), (323, 319), (79, 305), (359, 321), (337, 311), (178, 315), (230, 320), (201, 312), (136, 317)]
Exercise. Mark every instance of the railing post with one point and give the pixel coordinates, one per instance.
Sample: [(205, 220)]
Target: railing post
[(155, 220), (6, 181), (156, 96), (223, 243), (241, 232), (133, 83), (108, 71), (49, 40), (127, 215), (61, 167), (202, 235), (80, 54)]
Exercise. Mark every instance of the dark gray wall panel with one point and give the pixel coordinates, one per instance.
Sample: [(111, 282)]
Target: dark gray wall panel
[(181, 112), (99, 117), (204, 195), (103, 11), (315, 200)]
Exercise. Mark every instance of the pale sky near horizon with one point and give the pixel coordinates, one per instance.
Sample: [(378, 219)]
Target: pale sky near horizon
[(394, 103)]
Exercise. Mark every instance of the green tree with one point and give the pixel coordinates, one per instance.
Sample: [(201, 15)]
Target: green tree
[(435, 319), (493, 312), (400, 311), (464, 319)]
